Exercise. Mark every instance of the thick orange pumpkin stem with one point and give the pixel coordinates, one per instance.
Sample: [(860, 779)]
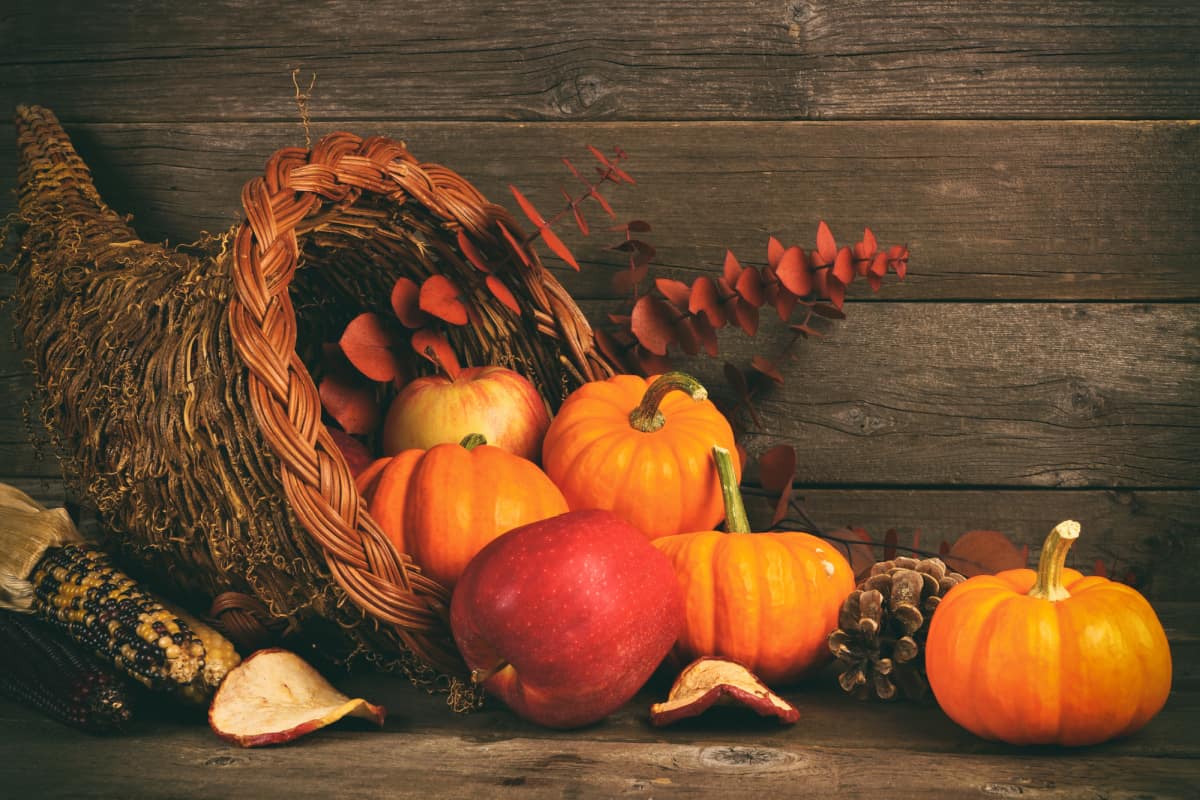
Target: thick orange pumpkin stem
[(472, 440), (1049, 584), (736, 520), (646, 417)]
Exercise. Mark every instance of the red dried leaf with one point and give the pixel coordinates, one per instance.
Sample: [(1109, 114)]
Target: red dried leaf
[(741, 388), (517, 247), (472, 252), (794, 273), (611, 347), (653, 323), (943, 549), (351, 399), (580, 222), (687, 335), (874, 281), (503, 294), (826, 245), (406, 304), (556, 244), (627, 280), (777, 467), (775, 251), (890, 540), (985, 553), (827, 311), (766, 367), (651, 363), (594, 192), (441, 298), (1100, 569), (527, 207), (571, 167), (603, 159), (865, 249), (750, 286), (637, 226), (620, 319), (370, 345), (879, 265), (785, 303), (705, 299), (733, 268), (806, 331), (436, 347), (843, 266), (898, 258), (706, 333), (675, 291), (746, 315)]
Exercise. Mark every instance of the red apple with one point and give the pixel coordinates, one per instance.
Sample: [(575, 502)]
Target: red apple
[(566, 618), (496, 402)]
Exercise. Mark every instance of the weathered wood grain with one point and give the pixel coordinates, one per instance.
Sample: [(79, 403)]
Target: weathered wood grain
[(1012, 211), (840, 747), (965, 394), (540, 60)]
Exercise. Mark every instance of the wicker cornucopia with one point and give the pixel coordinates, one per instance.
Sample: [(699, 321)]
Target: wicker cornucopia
[(177, 383)]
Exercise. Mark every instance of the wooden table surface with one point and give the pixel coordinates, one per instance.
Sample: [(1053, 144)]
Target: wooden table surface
[(841, 747), (1041, 160)]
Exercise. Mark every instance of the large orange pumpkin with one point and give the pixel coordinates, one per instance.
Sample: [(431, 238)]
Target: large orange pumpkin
[(639, 447), (765, 600), (1048, 657), (442, 505)]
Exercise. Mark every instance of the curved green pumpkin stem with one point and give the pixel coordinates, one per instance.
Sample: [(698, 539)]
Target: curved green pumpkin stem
[(473, 440), (736, 520), (1049, 583), (646, 417)]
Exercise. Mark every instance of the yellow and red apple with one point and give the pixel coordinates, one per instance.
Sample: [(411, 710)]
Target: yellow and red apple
[(565, 619), (496, 402)]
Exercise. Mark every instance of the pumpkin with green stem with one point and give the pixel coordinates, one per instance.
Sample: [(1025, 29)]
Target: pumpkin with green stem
[(639, 447), (1048, 657), (442, 505), (765, 600)]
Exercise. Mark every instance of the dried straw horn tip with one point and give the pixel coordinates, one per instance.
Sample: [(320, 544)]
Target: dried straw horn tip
[(883, 624)]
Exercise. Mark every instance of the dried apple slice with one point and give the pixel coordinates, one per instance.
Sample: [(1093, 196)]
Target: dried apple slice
[(274, 696), (708, 681)]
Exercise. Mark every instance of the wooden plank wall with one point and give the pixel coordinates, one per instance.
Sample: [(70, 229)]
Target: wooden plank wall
[(1041, 160)]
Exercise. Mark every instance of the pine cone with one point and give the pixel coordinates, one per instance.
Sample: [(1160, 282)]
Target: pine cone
[(883, 624)]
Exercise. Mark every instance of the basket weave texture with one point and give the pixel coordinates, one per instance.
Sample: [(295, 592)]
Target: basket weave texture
[(178, 387)]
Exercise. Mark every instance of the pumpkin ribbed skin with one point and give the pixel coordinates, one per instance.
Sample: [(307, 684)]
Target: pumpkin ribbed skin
[(662, 481), (442, 505), (1027, 670), (765, 600)]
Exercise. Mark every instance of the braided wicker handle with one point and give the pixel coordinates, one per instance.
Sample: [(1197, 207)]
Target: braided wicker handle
[(299, 191)]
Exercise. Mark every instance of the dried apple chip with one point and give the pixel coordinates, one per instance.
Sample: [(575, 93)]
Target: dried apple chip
[(274, 696), (708, 681)]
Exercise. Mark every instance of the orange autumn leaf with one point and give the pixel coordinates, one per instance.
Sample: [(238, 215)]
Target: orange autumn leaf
[(441, 298), (370, 344)]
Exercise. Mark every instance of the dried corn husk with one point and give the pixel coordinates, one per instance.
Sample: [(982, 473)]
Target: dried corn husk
[(27, 530)]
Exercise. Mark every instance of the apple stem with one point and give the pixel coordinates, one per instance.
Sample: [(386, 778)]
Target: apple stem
[(1049, 583), (646, 417), (479, 676), (473, 440), (736, 520)]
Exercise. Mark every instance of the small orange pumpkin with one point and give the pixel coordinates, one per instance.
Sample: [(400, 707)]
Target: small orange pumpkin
[(1048, 657), (765, 600), (639, 447), (442, 505)]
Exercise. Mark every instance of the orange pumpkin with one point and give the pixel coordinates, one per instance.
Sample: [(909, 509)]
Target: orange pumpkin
[(765, 600), (1048, 657), (442, 505), (639, 447)]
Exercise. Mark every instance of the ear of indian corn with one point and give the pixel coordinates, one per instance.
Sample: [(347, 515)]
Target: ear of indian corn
[(220, 656), (77, 588), (43, 669)]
